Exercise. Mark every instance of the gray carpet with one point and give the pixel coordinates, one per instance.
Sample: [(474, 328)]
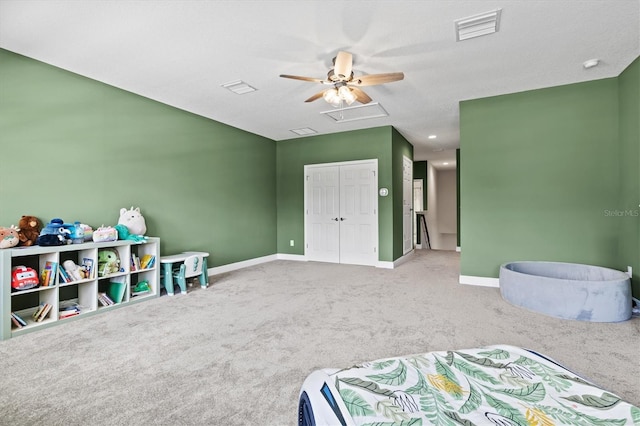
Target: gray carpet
[(237, 352)]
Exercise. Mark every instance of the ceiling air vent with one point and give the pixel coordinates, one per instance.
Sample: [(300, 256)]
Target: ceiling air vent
[(239, 87), (478, 25), (354, 113), (303, 131)]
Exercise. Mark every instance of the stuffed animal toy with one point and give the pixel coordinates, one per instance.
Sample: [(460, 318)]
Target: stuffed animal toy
[(88, 232), (53, 234), (74, 271), (30, 227), (104, 234), (108, 262), (133, 220), (76, 232), (124, 234), (9, 237)]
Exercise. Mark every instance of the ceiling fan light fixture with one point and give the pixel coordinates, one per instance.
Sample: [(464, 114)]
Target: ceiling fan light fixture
[(332, 97), (347, 95)]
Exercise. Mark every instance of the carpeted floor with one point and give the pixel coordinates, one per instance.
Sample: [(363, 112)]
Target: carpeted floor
[(237, 352)]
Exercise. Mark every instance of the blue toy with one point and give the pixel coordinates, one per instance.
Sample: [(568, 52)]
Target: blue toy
[(53, 234), (76, 232)]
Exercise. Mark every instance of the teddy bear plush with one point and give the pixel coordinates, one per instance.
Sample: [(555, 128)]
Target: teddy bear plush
[(9, 237), (30, 227)]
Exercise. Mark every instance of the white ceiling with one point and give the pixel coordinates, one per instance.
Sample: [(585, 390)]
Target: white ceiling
[(181, 52)]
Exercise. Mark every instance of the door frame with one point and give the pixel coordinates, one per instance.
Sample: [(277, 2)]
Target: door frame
[(407, 217), (374, 196)]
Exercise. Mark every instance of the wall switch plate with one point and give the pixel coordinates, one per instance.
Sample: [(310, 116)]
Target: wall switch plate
[(291, 243)]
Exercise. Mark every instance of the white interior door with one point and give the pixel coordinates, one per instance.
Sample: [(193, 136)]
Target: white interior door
[(341, 220), (322, 225), (407, 203), (358, 216)]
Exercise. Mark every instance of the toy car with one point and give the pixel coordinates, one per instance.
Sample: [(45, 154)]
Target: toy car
[(24, 278)]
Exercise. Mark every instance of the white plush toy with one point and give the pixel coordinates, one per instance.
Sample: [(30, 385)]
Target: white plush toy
[(133, 220), (73, 270)]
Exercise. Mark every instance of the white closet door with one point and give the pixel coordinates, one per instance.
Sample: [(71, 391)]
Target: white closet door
[(358, 216), (341, 219), (323, 214)]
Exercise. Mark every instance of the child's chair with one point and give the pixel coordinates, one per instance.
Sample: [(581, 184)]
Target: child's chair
[(192, 267)]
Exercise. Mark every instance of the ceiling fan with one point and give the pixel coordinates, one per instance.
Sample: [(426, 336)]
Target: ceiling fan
[(346, 86)]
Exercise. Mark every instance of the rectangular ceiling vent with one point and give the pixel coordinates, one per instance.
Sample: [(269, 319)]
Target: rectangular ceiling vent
[(354, 113), (478, 25), (239, 87), (303, 131)]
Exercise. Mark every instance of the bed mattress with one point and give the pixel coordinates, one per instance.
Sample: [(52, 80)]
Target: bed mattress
[(495, 385)]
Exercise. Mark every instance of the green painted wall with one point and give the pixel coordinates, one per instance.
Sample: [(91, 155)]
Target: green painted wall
[(294, 154), (629, 205), (540, 169), (80, 150)]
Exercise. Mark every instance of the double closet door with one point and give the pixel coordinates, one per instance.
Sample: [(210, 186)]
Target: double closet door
[(341, 212)]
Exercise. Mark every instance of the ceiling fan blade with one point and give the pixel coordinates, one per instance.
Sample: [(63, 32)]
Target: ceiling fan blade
[(361, 97), (373, 79), (316, 96), (342, 66), (297, 77)]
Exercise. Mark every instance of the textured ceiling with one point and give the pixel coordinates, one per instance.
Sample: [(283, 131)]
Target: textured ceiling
[(181, 52)]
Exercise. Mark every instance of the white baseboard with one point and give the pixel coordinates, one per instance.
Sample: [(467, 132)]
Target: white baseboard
[(239, 265), (458, 249), (297, 257), (480, 281), (252, 262), (399, 261)]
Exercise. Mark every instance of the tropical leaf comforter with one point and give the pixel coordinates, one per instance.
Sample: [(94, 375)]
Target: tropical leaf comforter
[(501, 385)]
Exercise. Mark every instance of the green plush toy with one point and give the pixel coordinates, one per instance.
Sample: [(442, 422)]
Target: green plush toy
[(108, 261), (124, 234)]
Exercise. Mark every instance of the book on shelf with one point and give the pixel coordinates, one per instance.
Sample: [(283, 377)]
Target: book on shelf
[(38, 311), (87, 264), (135, 262), (147, 261), (62, 274), (44, 277), (105, 300), (18, 319), (67, 314), (42, 312), (116, 291), (48, 275), (15, 322), (69, 311)]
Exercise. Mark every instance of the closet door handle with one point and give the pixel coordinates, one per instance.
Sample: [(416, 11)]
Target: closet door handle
[(343, 218), (335, 218)]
